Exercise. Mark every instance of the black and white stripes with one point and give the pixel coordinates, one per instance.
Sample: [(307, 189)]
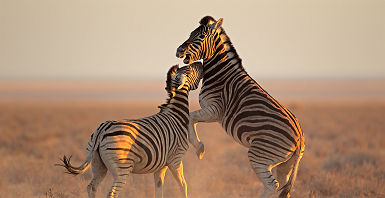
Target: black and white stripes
[(244, 109), (147, 145)]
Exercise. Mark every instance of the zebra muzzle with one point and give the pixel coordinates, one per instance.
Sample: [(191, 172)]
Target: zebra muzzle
[(180, 52), (187, 60)]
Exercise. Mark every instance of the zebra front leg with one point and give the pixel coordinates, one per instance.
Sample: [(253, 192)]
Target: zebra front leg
[(177, 172), (159, 180), (194, 139), (203, 115)]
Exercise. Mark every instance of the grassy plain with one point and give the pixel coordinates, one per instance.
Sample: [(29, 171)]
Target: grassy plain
[(344, 156)]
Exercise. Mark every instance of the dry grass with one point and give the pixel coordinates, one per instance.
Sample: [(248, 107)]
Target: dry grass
[(344, 157)]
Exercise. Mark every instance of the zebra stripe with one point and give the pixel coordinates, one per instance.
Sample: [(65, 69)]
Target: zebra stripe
[(147, 145), (245, 110)]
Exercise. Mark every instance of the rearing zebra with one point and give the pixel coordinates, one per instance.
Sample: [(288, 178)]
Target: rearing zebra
[(147, 145), (245, 110)]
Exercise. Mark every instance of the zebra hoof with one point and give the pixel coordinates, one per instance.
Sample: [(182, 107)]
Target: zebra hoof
[(201, 150)]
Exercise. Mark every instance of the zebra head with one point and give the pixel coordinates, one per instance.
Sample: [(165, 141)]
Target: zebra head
[(188, 76), (202, 42)]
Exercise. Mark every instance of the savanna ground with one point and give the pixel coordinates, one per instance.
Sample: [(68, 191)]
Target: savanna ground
[(344, 156)]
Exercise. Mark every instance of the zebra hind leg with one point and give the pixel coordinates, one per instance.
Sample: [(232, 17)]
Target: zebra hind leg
[(119, 182), (99, 171), (120, 171), (283, 173), (262, 167), (288, 171)]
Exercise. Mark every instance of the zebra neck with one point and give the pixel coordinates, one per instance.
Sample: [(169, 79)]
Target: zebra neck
[(178, 106), (179, 102), (177, 98), (225, 61)]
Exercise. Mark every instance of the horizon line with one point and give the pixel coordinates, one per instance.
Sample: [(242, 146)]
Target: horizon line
[(121, 79)]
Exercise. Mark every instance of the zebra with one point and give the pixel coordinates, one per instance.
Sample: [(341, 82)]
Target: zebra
[(148, 145), (245, 110)]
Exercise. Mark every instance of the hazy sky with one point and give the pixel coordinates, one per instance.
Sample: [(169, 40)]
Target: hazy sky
[(121, 39)]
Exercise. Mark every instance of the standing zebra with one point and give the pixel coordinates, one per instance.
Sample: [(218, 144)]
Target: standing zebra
[(147, 145), (244, 109)]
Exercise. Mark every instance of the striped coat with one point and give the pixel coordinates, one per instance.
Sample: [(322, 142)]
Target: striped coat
[(147, 145), (244, 109)]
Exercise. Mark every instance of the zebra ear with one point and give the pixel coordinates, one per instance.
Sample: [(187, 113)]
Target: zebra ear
[(217, 24), (182, 82)]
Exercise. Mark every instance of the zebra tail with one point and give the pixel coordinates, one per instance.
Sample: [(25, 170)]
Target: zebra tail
[(287, 187), (76, 170)]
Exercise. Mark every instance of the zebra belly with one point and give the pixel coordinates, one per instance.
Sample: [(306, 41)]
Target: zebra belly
[(149, 163), (136, 159), (256, 131), (141, 168), (239, 141), (122, 152)]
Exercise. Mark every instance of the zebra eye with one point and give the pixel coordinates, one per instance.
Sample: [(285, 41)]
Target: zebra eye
[(202, 36)]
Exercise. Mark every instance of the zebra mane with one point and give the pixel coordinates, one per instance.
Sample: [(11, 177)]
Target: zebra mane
[(209, 20), (228, 42), (171, 72)]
